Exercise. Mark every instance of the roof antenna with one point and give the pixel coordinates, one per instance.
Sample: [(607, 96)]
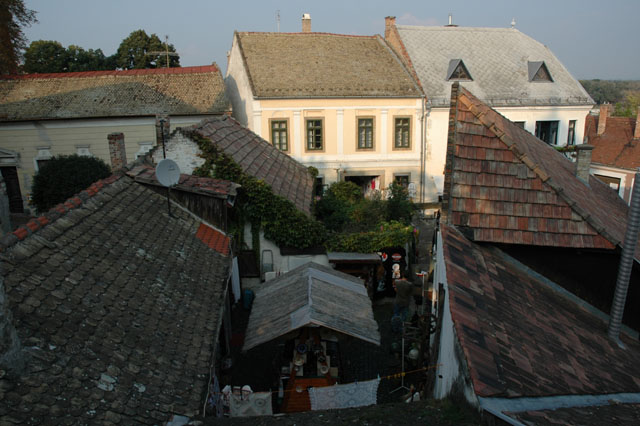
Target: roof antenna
[(278, 19), (513, 22)]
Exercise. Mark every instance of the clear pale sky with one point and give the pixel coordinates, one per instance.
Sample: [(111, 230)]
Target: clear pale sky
[(593, 38)]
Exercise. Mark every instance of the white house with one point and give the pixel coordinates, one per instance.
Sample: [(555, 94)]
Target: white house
[(511, 72)]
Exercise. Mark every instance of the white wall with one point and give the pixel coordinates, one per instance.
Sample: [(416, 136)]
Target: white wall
[(281, 264), (238, 87), (183, 151)]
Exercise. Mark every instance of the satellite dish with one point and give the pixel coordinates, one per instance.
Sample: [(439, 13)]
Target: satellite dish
[(167, 172)]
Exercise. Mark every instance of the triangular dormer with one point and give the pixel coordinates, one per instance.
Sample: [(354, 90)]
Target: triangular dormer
[(538, 71), (458, 71)]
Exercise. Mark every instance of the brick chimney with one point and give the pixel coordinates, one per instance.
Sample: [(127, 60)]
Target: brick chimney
[(389, 23), (117, 152), (583, 162), (306, 23), (602, 120), (636, 132)]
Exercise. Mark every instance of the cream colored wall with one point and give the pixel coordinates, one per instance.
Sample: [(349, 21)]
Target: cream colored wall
[(63, 136), (340, 135)]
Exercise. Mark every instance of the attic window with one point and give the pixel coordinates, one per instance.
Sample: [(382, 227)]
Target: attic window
[(458, 71), (538, 71)]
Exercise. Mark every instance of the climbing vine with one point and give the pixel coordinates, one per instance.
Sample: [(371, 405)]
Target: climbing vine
[(281, 221)]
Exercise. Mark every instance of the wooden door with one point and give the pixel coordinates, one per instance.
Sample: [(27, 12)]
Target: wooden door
[(10, 176)]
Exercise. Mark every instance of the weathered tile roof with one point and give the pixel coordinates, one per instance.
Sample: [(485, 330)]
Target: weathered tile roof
[(311, 295), (616, 146), (615, 414), (496, 58), (321, 65), (504, 185), (260, 159), (117, 306), (95, 94), (521, 338), (145, 173)]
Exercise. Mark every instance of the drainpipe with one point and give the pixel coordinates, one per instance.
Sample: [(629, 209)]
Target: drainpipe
[(422, 149), (626, 263)]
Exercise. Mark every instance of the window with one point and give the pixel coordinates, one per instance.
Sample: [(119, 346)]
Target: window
[(43, 156), (319, 187), (280, 134), (547, 131), (571, 135), (314, 134), (402, 137), (538, 72), (613, 182), (144, 147), (402, 180), (458, 71), (83, 151), (365, 133), (520, 124)]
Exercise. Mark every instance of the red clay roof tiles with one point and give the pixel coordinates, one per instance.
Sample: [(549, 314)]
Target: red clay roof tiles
[(496, 170), (616, 146)]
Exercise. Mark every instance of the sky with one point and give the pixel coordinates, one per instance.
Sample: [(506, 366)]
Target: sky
[(593, 38)]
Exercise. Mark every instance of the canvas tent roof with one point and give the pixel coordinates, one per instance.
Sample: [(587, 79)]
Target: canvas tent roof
[(311, 295)]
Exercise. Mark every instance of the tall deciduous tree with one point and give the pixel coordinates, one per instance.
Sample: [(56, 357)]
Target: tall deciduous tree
[(45, 56), (140, 50), (13, 16)]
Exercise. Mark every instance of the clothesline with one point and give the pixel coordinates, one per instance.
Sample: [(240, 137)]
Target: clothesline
[(388, 377)]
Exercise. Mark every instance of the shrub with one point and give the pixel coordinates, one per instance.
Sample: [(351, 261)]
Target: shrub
[(63, 176)]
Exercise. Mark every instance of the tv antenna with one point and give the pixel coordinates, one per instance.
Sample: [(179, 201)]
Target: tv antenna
[(168, 174), (278, 19), (165, 52)]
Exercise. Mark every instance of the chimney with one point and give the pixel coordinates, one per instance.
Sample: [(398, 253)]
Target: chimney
[(636, 132), (389, 22), (117, 151), (583, 162), (602, 120), (306, 23), (626, 264)]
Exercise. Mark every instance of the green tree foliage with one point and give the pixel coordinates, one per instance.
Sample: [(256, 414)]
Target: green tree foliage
[(63, 176), (628, 107), (135, 52), (45, 56), (13, 16), (623, 94), (399, 206), (79, 59)]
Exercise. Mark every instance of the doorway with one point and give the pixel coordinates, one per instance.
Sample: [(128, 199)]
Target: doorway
[(10, 176)]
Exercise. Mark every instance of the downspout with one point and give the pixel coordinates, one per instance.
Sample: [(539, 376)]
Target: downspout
[(423, 153), (626, 264)]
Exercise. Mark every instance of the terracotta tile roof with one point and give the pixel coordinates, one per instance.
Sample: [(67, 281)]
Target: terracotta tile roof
[(260, 159), (214, 239), (616, 146), (116, 306), (496, 58), (504, 185), (201, 185), (94, 94), (521, 338), (615, 414), (286, 65)]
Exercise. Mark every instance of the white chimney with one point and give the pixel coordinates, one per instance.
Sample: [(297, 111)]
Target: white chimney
[(306, 23)]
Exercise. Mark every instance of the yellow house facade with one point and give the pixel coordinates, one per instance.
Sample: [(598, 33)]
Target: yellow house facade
[(44, 115), (345, 105)]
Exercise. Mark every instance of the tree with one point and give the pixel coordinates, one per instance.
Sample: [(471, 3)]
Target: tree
[(64, 176), (13, 16), (79, 59), (44, 56), (140, 50), (629, 106)]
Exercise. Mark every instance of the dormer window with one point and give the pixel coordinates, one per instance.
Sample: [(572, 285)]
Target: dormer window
[(458, 71), (539, 72)]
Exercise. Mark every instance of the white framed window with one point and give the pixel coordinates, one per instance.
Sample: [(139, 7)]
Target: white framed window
[(43, 155), (83, 151)]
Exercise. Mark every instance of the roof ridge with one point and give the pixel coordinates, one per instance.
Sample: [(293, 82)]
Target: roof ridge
[(120, 73), (72, 203), (307, 34)]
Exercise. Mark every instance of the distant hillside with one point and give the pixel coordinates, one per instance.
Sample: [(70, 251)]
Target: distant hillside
[(624, 94)]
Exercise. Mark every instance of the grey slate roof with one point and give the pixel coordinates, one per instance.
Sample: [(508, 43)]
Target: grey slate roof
[(320, 65), (496, 58), (260, 159), (130, 93), (311, 294), (117, 306)]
